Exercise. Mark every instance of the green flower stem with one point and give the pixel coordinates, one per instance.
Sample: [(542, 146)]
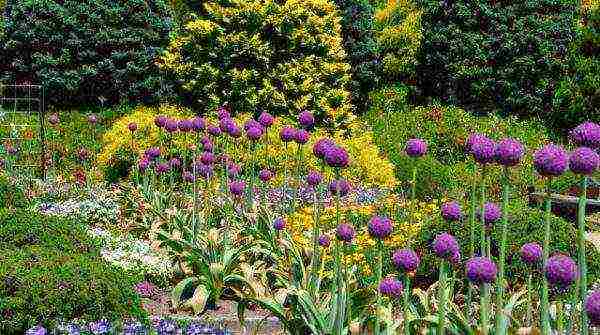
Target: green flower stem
[(406, 303), (529, 317), (560, 320), (442, 299), (501, 317), (544, 303), (195, 194), (483, 309), (582, 261), (341, 308), (315, 254), (378, 274), (472, 234), (482, 212), (413, 191)]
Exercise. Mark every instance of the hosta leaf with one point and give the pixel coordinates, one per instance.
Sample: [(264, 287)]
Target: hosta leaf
[(198, 300)]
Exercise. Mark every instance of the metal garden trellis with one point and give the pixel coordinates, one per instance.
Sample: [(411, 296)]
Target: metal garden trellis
[(22, 128)]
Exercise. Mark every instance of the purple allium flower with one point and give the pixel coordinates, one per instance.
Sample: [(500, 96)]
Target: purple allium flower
[(171, 125), (235, 131), (92, 119), (145, 289), (279, 224), (254, 133), (586, 134), (175, 163), (341, 187), (207, 145), (143, 165), (161, 168), (313, 178), (266, 119), (482, 149), (53, 119), (185, 125), (445, 246), (324, 241), (391, 287), (509, 152), (100, 327), (214, 130), (160, 121), (302, 136), (337, 157), (188, 177), (472, 139), (320, 147), (37, 330), (223, 113), (405, 260), (251, 123), (225, 124), (237, 187), (531, 253), (584, 161), (207, 158), (74, 329), (380, 227), (166, 327), (550, 161), (345, 232), (132, 126), (416, 147), (203, 170), (481, 270), (491, 213), (287, 134), (451, 211), (198, 124), (592, 308), (152, 153), (233, 170), (306, 119), (455, 258), (265, 175), (561, 271)]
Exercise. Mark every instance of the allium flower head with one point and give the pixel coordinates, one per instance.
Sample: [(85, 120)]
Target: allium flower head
[(584, 161), (251, 123), (306, 119), (481, 270), (207, 144), (550, 161), (531, 253), (321, 146), (313, 178), (482, 149), (234, 131), (175, 163), (491, 213), (214, 130), (287, 134), (152, 153), (324, 241), (188, 177), (561, 271), (203, 170), (225, 124), (345, 232), (445, 246), (254, 133), (160, 121), (416, 147), (509, 152), (451, 211), (53, 119), (337, 157), (265, 175), (37, 330), (341, 187), (132, 126), (302, 136), (171, 125), (185, 125), (391, 287), (233, 170), (279, 224), (586, 134), (380, 227), (161, 168), (266, 119), (223, 113), (143, 165), (237, 187), (92, 119), (199, 124), (405, 260), (592, 308)]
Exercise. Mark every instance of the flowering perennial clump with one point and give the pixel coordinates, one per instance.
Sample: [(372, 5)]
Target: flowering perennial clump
[(416, 147), (531, 253), (451, 211), (482, 148), (509, 152), (345, 232), (550, 161), (445, 246), (561, 271), (390, 287), (586, 134), (481, 270), (380, 227), (584, 161), (405, 260)]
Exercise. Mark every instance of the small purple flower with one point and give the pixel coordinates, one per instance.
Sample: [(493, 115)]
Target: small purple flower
[(482, 149), (53, 119), (200, 329), (132, 126), (266, 119), (188, 177), (320, 147), (380, 227), (391, 287), (287, 134), (100, 327), (207, 144), (207, 158), (561, 271), (234, 131), (337, 157), (491, 213), (92, 119), (145, 289), (166, 327), (223, 113), (473, 138), (265, 175), (171, 125), (202, 170), (313, 178), (324, 241), (143, 165), (586, 134), (225, 124), (74, 329), (592, 308), (550, 161), (233, 170), (341, 187), (416, 147), (406, 260), (481, 270), (306, 119), (451, 211), (251, 123), (584, 161), (237, 187), (175, 163), (37, 330), (345, 232), (302, 136), (185, 125), (161, 168), (445, 246), (152, 153), (160, 121), (214, 130), (509, 152), (531, 253), (198, 124), (279, 224), (134, 328), (254, 133)]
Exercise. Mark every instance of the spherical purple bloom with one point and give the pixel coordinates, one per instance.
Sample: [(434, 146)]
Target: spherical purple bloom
[(161, 168), (584, 161), (491, 213), (207, 144), (53, 119), (185, 125), (225, 124), (160, 121), (198, 124), (188, 177), (391, 287), (171, 125), (251, 123), (345, 232), (152, 153), (306, 119), (561, 271), (132, 126), (223, 113), (100, 327), (509, 152), (472, 139), (341, 187), (254, 133), (550, 161), (203, 170), (324, 241), (266, 119), (207, 158), (313, 178), (233, 170), (592, 308), (92, 119), (234, 131), (416, 147), (214, 130), (380, 227), (451, 211), (337, 157), (279, 224), (406, 260), (483, 149), (445, 246), (143, 165), (586, 134), (287, 134), (237, 187), (37, 330), (265, 175), (531, 253), (302, 136), (175, 163), (321, 146), (481, 270)]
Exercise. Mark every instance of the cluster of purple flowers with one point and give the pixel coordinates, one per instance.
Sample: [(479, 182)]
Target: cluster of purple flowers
[(531, 253), (451, 211), (491, 213), (592, 308), (405, 260), (345, 232), (391, 287), (380, 227), (131, 327), (481, 270), (561, 271), (446, 247)]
